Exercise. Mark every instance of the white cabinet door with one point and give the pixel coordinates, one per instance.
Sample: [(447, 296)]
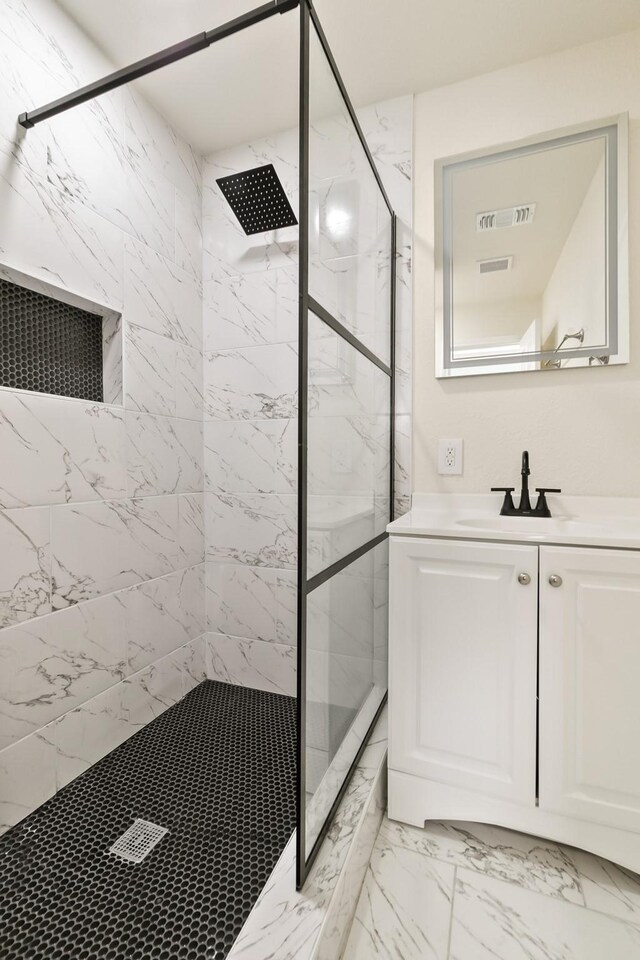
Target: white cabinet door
[(462, 650), (590, 685)]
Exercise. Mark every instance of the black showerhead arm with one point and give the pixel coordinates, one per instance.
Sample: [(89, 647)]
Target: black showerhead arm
[(178, 51)]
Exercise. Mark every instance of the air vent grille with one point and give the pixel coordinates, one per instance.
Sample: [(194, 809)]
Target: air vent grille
[(495, 265), (507, 217)]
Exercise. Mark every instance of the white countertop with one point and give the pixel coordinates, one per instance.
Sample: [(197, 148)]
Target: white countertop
[(578, 521)]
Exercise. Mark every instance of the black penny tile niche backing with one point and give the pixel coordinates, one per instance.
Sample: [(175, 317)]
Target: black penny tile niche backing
[(258, 199), (49, 346), (217, 770)]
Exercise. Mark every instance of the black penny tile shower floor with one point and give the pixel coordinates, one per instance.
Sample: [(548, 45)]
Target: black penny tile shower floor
[(218, 771)]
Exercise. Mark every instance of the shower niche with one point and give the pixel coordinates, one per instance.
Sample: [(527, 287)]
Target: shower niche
[(57, 343)]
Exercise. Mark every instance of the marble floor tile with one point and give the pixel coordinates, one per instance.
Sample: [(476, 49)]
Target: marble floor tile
[(607, 887), (404, 909), (531, 862), (492, 920)]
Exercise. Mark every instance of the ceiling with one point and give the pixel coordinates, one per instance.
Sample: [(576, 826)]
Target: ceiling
[(557, 181), (246, 86)]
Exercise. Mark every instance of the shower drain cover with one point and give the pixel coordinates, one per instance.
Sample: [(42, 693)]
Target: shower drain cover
[(258, 199), (139, 840)]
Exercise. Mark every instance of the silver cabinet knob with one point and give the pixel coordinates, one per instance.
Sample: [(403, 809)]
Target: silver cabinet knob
[(555, 580), (524, 579)]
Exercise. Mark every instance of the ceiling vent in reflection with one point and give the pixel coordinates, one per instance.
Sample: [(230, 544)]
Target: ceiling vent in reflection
[(258, 199), (508, 217), (495, 265)]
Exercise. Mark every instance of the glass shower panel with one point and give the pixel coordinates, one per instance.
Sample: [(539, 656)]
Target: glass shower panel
[(346, 446), (346, 676), (348, 465), (349, 221)]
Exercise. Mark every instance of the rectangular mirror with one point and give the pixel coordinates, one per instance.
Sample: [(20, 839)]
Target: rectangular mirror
[(531, 254)]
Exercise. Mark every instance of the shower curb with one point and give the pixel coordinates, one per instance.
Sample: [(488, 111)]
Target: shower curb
[(314, 923)]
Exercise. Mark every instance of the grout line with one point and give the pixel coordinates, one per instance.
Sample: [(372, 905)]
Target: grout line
[(132, 676), (72, 504), (101, 596), (453, 900)]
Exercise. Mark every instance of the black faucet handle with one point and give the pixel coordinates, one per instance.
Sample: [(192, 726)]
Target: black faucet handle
[(542, 507), (507, 508)]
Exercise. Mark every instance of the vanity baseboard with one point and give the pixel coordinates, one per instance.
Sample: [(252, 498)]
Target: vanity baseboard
[(414, 800)]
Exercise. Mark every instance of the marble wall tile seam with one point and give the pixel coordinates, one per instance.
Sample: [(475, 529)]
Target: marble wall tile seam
[(211, 352), (88, 247), (57, 662), (49, 562), (235, 636), (71, 504), (277, 342), (111, 689), (111, 593), (249, 663), (129, 407), (175, 339), (36, 394), (26, 591), (62, 199), (49, 732)]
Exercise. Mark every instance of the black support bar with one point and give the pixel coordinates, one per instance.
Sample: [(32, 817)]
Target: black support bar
[(346, 334), (155, 62), (347, 100), (303, 409), (344, 562)]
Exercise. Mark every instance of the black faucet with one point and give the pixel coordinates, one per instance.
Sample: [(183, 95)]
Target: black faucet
[(524, 508)]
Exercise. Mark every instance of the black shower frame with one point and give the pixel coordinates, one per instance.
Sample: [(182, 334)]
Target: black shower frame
[(162, 59), (305, 586)]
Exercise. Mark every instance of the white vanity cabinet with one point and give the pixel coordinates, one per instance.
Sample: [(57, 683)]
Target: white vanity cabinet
[(514, 689), (590, 685)]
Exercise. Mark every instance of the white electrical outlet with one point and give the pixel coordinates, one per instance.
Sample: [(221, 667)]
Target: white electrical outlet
[(450, 457)]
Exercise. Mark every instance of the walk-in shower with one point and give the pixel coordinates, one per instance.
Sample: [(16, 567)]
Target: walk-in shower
[(255, 425)]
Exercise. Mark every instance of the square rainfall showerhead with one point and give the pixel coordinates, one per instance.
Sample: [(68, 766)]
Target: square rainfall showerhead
[(258, 199)]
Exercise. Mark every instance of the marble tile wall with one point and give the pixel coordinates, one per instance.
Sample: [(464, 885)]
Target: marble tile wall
[(107, 511), (250, 294), (250, 430), (101, 506)]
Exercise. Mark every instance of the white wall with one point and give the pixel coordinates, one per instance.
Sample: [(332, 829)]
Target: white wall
[(575, 295), (101, 539), (579, 425)]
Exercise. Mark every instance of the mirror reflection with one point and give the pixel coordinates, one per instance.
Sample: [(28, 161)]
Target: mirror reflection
[(528, 254)]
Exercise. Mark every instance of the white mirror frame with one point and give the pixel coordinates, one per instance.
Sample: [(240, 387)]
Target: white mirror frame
[(615, 131)]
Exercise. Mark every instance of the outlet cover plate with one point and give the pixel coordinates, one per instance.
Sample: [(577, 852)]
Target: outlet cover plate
[(450, 457)]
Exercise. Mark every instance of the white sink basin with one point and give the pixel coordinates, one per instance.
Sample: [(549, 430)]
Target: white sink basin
[(548, 526), (584, 521)]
